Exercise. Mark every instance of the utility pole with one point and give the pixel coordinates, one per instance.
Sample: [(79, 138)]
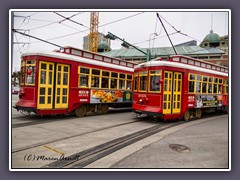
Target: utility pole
[(12, 24)]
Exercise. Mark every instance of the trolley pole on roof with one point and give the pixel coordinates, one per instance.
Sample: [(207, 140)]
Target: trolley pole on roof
[(127, 44), (166, 33)]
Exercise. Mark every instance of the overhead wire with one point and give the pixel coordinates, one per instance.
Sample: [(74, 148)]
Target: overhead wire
[(155, 33), (63, 36), (69, 19), (178, 31), (155, 38), (121, 19), (14, 30)]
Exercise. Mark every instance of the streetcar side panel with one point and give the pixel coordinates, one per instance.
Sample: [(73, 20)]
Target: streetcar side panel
[(183, 89), (56, 87)]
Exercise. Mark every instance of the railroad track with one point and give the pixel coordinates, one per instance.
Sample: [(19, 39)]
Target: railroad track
[(76, 135), (81, 159), (86, 157), (36, 119)]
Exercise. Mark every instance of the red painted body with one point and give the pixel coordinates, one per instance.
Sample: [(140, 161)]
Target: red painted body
[(151, 103), (28, 95)]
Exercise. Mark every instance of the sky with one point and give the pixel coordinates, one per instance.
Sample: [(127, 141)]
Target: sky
[(141, 28)]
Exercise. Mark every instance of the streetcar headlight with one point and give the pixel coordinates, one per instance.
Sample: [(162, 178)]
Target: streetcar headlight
[(140, 100)]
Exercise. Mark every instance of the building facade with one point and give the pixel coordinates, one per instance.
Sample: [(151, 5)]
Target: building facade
[(213, 49)]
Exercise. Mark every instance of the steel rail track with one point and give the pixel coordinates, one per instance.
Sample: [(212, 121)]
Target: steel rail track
[(49, 119), (83, 158), (76, 135)]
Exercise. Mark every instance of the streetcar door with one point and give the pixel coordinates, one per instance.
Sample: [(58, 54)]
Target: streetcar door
[(177, 90), (62, 86), (167, 92), (172, 92), (45, 85)]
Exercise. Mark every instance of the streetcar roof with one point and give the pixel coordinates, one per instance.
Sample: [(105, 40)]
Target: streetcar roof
[(78, 59), (179, 65)]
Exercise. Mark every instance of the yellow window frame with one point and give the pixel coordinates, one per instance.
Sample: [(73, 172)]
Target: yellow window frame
[(114, 78), (124, 79), (101, 76), (212, 83), (22, 82), (154, 74), (127, 80), (225, 85), (199, 81), (136, 75), (93, 75), (194, 81), (79, 73), (27, 65), (143, 75)]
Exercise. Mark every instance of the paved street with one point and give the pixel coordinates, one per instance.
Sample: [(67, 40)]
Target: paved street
[(207, 140), (208, 143)]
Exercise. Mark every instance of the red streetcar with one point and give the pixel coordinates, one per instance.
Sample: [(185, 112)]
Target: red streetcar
[(73, 81), (181, 87)]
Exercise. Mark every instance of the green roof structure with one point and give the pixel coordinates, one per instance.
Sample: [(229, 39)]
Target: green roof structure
[(162, 51), (212, 37)]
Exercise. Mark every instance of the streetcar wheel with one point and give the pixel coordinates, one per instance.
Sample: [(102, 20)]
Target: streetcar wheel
[(81, 111), (104, 108), (187, 116), (198, 113)]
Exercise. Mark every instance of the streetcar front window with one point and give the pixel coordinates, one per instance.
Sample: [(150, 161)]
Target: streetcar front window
[(143, 81), (135, 81), (154, 77)]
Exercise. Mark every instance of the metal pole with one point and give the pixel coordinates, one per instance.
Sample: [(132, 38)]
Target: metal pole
[(127, 43), (166, 33), (12, 24)]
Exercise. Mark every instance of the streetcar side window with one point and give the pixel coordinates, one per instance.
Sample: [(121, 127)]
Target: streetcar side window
[(210, 85), (143, 80), (83, 77), (122, 81), (199, 84), (215, 85), (114, 80), (206, 84), (154, 78), (225, 86), (129, 81), (95, 77), (136, 78), (105, 79), (191, 83), (220, 84)]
